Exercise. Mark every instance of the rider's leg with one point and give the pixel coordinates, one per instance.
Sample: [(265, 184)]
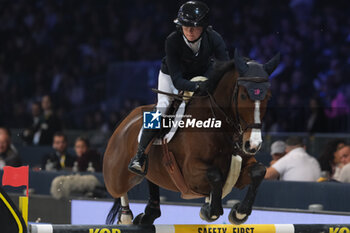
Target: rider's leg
[(140, 159)]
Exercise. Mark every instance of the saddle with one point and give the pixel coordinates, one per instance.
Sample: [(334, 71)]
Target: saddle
[(176, 110)]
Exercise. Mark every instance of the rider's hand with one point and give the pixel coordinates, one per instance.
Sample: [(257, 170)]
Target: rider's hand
[(202, 88)]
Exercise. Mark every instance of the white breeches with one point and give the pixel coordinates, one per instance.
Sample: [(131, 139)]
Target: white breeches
[(165, 84)]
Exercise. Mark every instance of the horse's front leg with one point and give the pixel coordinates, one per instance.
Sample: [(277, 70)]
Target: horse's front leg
[(240, 211), (152, 210), (212, 210)]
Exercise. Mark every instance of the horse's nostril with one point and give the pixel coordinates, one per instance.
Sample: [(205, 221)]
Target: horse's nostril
[(248, 148), (247, 145)]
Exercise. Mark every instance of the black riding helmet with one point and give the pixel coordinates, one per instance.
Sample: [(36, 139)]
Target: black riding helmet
[(193, 14)]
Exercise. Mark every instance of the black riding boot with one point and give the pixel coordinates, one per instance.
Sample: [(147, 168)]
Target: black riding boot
[(140, 159)]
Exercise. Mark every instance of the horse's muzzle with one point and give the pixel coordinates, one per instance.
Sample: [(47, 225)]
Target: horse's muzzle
[(251, 149)]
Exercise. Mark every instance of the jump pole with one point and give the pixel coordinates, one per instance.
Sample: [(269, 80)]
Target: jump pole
[(221, 228)]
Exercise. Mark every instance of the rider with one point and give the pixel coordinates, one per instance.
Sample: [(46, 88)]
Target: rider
[(189, 52)]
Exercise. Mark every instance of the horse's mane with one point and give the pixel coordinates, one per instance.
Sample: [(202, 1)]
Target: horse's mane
[(220, 68)]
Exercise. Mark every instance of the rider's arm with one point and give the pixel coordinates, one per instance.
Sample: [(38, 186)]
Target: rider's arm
[(173, 62), (220, 49)]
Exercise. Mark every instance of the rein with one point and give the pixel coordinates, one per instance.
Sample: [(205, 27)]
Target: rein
[(177, 96), (236, 123)]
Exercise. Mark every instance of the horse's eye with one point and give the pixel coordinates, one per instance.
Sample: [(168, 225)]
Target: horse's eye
[(243, 97)]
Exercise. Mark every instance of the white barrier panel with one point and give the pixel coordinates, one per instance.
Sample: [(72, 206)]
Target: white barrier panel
[(210, 228), (95, 213)]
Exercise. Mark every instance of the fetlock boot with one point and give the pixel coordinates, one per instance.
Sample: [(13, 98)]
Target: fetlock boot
[(139, 163)]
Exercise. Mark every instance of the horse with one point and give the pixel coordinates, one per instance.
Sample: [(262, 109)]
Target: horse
[(238, 94)]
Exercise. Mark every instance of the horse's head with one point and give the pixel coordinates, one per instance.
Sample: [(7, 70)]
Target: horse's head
[(252, 92)]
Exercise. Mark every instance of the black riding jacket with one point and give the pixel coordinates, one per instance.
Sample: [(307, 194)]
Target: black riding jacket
[(182, 64)]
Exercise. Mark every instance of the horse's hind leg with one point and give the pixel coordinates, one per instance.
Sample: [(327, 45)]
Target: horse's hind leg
[(240, 211), (152, 210), (125, 215), (121, 209), (212, 210)]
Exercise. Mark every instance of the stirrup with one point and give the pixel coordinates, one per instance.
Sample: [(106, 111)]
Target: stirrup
[(136, 171)]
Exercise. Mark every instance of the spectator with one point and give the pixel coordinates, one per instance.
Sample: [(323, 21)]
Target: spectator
[(278, 150), (32, 134), (317, 121), (102, 133), (59, 158), (330, 159), (296, 165), (85, 155), (344, 175), (8, 154), (50, 124), (339, 112), (6, 131)]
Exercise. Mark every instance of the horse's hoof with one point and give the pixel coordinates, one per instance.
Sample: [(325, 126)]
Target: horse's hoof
[(137, 219), (237, 218), (125, 217), (143, 219), (153, 211), (205, 213)]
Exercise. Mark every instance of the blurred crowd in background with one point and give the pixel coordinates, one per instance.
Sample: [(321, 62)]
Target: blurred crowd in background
[(60, 50)]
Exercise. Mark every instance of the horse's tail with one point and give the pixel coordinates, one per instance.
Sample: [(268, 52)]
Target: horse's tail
[(113, 212)]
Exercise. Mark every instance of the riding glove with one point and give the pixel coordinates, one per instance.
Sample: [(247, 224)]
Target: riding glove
[(202, 88)]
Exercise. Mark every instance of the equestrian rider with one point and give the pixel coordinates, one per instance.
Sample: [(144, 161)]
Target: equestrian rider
[(189, 52)]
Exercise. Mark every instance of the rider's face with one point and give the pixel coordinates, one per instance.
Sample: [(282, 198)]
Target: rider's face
[(192, 33)]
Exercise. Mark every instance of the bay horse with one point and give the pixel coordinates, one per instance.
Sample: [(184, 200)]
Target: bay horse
[(238, 95)]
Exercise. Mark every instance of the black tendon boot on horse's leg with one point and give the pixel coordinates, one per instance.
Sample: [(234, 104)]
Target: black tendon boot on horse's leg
[(140, 160), (152, 210), (240, 211), (211, 211)]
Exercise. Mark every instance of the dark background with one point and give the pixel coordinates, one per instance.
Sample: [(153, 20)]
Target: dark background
[(98, 59)]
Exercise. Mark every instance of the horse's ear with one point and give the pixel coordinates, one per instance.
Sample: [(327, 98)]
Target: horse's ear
[(271, 65), (241, 65)]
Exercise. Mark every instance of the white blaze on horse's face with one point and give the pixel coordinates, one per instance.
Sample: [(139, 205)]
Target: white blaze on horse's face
[(255, 139)]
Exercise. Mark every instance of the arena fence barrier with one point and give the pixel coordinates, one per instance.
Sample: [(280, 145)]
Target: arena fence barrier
[(223, 228)]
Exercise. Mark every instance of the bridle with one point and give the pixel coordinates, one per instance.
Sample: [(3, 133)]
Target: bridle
[(237, 122)]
